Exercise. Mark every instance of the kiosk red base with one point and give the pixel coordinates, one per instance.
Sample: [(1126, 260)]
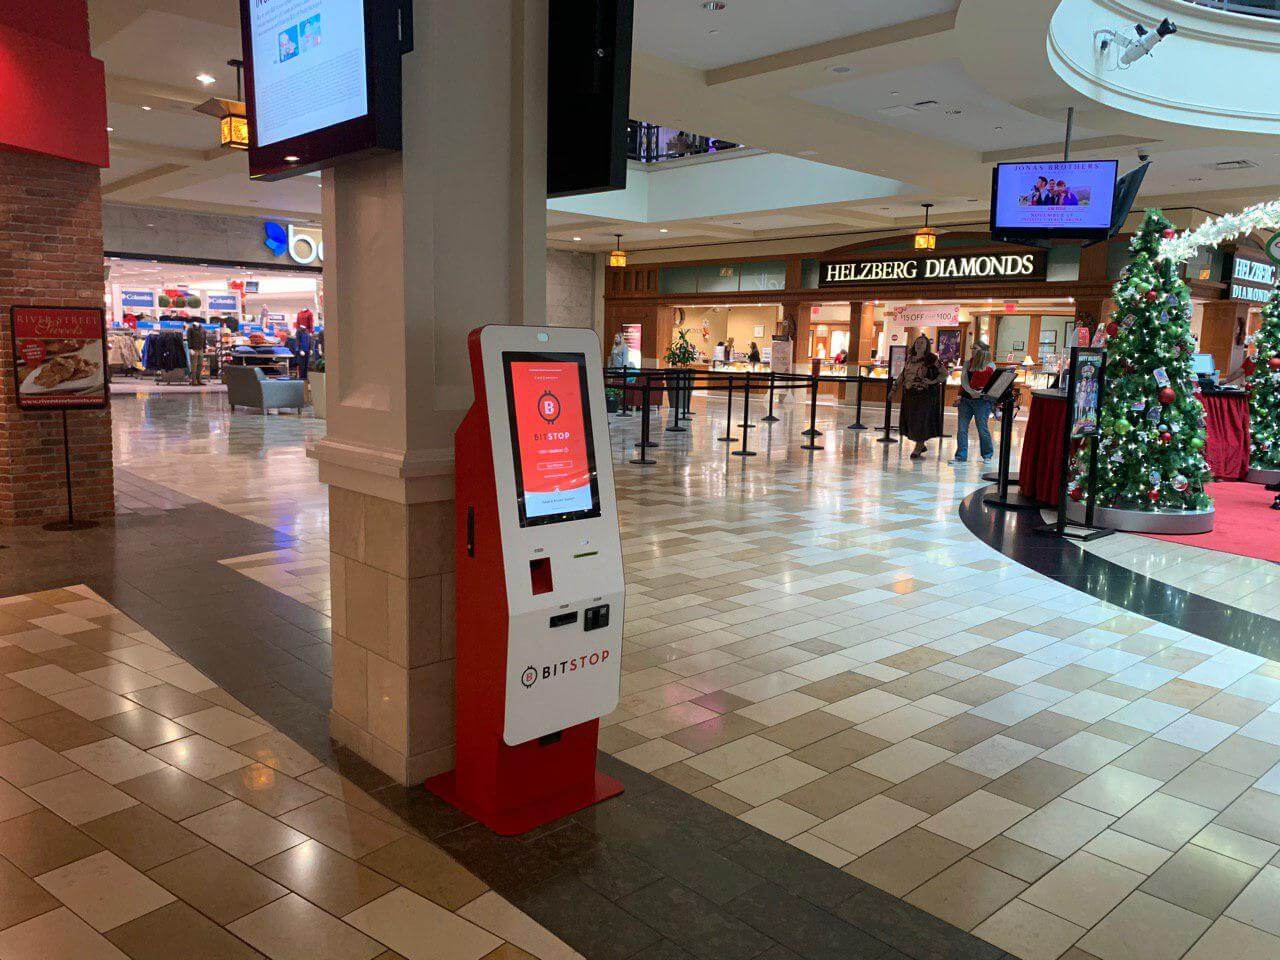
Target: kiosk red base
[(514, 788)]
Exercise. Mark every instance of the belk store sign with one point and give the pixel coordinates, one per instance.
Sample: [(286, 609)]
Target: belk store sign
[(955, 268)]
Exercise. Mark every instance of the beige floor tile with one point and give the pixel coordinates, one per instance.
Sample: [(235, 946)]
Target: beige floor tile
[(13, 802), (93, 702), (995, 756), (173, 793), (705, 736), (780, 819), (280, 753), (185, 677), (177, 931), (293, 929), (806, 729), (1113, 790), (1165, 821), (976, 819), (862, 707), (341, 826), (908, 860), (1236, 845), (79, 797), (48, 680), (779, 709), (1144, 928), (1060, 828), (904, 760), (1200, 880), (1016, 859), (222, 726), (1083, 888), (960, 733), (737, 757), (966, 893), (143, 728), (1238, 941), (493, 913), (1035, 783), (937, 788), (328, 879), (27, 762), (1085, 752), (1208, 785), (200, 757), (120, 678), (836, 792), (654, 754), (421, 930), (266, 789), (1256, 813), (841, 750), (41, 841), (56, 934), (824, 851), (770, 780), (243, 832), (426, 870), (144, 657), (21, 898), (104, 891), (1028, 932), (114, 760), (141, 837), (217, 884), (1259, 904), (1158, 759), (862, 828), (1128, 851)]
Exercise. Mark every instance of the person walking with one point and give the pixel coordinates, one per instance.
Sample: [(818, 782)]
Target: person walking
[(974, 405), (921, 418)]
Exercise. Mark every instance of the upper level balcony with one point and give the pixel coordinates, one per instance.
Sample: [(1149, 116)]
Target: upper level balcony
[(654, 143), (1255, 8)]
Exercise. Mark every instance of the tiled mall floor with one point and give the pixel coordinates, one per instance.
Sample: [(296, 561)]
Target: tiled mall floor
[(147, 814), (820, 651)]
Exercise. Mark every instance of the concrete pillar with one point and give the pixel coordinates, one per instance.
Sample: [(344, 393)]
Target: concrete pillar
[(422, 247)]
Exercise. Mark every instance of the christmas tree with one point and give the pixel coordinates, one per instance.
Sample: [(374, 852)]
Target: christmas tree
[(1151, 428), (1264, 405)]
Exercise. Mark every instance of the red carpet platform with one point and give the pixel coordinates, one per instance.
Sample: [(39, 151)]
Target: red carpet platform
[(1244, 524)]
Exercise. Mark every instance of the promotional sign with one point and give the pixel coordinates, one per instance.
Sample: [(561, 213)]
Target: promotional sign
[(552, 443), (782, 358), (631, 337), (948, 346), (1251, 279), (897, 361), (927, 315), (138, 299), (1066, 197), (944, 269), (60, 357), (224, 303), (1086, 381)]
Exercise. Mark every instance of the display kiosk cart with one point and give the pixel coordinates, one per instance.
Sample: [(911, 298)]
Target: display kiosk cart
[(539, 586)]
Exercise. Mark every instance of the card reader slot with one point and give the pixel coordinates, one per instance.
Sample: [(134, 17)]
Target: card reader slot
[(564, 619)]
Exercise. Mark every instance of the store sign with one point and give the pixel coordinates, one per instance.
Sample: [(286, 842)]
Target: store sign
[(145, 299), (1273, 248), (1252, 280), (953, 268), (927, 315), (301, 246), (224, 302), (59, 357)]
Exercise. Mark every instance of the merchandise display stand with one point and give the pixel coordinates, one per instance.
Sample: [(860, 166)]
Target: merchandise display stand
[(1083, 412), (538, 584), (1003, 476)]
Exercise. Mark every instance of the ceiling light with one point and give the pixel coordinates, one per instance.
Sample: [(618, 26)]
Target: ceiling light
[(714, 6), (662, 229), (841, 68), (111, 129), (926, 236), (206, 78), (577, 239), (954, 112), (808, 153), (712, 32), (618, 256), (998, 129), (292, 158), (895, 93), (146, 108)]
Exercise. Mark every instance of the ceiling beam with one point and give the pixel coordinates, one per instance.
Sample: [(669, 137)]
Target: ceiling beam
[(1037, 151), (151, 185), (161, 96), (158, 151), (844, 218)]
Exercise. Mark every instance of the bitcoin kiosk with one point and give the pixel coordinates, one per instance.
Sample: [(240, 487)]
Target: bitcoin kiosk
[(539, 586)]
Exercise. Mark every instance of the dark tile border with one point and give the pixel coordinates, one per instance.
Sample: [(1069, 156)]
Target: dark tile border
[(1011, 532)]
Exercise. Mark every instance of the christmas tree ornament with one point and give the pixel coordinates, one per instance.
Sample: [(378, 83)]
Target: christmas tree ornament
[(1151, 295), (1179, 483), (1167, 396), (1122, 426)]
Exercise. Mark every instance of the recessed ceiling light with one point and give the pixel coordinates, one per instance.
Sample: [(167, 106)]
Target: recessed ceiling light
[(146, 108), (1196, 179), (954, 112), (292, 158), (895, 93), (998, 129), (206, 78), (662, 229), (841, 68), (808, 153), (712, 32), (577, 239), (111, 129)]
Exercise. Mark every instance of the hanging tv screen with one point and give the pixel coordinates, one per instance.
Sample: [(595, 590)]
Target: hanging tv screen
[(1066, 199), (322, 82)]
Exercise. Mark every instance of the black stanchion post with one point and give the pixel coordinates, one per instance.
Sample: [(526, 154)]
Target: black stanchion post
[(728, 417), (676, 401), (773, 380), (642, 458), (747, 425), (622, 407), (888, 413), (688, 395), (71, 523), (857, 413), (1002, 497), (813, 430)]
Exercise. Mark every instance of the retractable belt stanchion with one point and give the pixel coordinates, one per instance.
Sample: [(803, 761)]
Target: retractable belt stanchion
[(888, 413), (622, 407), (675, 401), (747, 425), (728, 417), (642, 457), (857, 413), (688, 395), (773, 380), (813, 430), (538, 584)]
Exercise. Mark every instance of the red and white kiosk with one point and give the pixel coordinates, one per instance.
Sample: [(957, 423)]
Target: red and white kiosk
[(539, 585)]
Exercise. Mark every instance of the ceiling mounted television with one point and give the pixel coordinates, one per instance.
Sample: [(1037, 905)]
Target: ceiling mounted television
[(1062, 200), (322, 81)]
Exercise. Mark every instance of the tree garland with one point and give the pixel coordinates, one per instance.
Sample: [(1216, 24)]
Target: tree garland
[(1264, 389), (1183, 246)]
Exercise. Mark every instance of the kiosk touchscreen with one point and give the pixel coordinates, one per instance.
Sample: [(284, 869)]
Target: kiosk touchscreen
[(539, 584)]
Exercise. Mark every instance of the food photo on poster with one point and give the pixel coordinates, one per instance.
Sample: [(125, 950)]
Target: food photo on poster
[(552, 442), (59, 357)]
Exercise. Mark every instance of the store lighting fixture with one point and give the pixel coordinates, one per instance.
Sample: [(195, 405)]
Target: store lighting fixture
[(292, 158), (618, 256), (926, 236), (232, 117), (206, 78), (662, 230), (111, 129), (146, 108), (577, 239)]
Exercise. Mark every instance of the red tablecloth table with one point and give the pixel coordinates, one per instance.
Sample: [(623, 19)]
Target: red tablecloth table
[(1226, 442)]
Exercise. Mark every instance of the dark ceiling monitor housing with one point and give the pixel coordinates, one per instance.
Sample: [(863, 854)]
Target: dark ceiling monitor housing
[(588, 95), (1062, 200), (1127, 188), (322, 81)]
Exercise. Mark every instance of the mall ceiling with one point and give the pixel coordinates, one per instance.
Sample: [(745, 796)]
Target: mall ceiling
[(926, 92)]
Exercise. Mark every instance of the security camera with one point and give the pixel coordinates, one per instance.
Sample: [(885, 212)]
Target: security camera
[(1133, 50), (1143, 157)]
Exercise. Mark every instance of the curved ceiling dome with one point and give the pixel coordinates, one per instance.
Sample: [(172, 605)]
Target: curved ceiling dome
[(1220, 70)]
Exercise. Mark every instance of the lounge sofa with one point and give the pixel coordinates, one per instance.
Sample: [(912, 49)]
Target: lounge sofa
[(250, 387)]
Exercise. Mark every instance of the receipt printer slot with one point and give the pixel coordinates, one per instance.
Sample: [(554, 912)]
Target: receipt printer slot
[(564, 619)]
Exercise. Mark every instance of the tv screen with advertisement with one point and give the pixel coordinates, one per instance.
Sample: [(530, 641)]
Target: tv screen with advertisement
[(322, 82), (1068, 199), (552, 444)]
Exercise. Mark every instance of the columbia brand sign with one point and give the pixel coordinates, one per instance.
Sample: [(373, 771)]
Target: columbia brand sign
[(562, 668), (987, 266)]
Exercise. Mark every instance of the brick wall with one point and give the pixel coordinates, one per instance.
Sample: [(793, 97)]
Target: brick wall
[(50, 254)]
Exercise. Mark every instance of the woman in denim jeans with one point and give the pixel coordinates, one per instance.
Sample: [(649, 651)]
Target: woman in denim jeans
[(974, 405)]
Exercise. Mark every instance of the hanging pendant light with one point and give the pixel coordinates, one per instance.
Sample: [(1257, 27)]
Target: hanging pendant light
[(232, 117), (926, 236), (618, 256)]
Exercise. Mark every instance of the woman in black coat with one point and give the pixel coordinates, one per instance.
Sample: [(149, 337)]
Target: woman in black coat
[(921, 418)]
